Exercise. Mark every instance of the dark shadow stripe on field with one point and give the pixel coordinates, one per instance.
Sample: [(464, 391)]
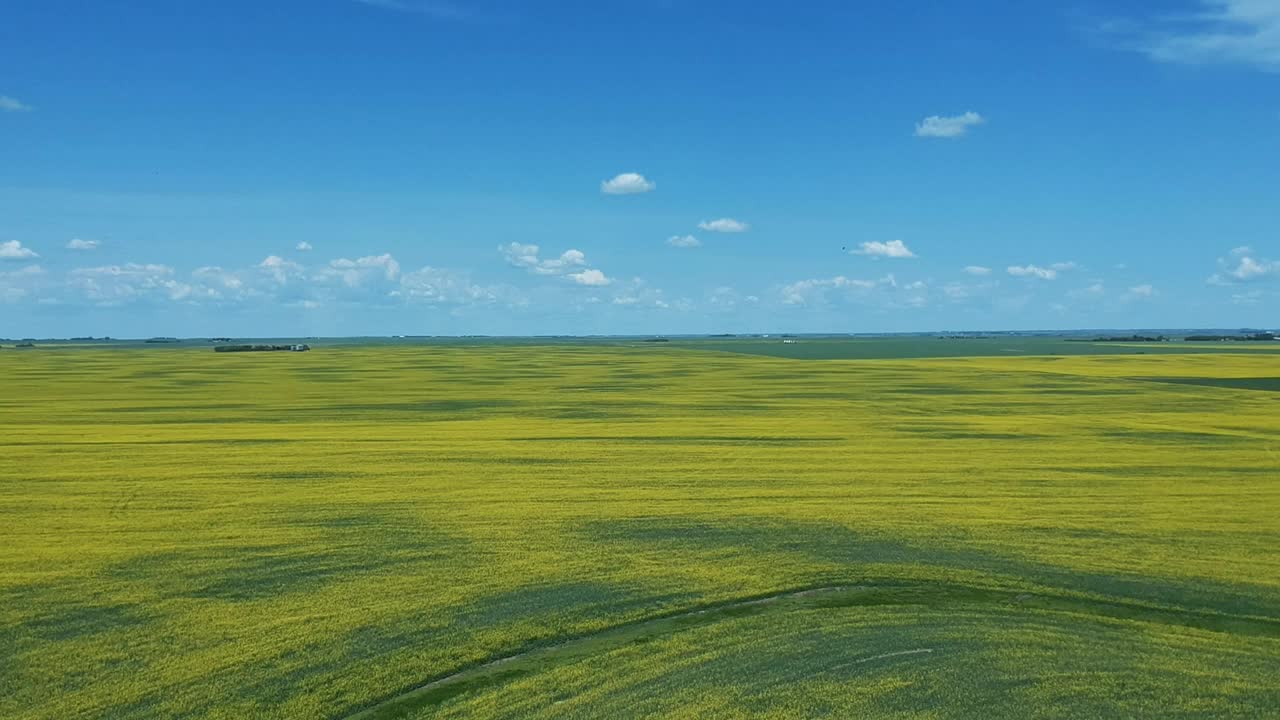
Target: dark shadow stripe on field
[(867, 594), (846, 551), (1268, 384)]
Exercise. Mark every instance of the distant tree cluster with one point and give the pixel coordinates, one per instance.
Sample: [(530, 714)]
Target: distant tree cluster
[(1253, 337), (261, 348)]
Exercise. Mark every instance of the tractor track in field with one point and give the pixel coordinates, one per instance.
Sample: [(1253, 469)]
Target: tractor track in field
[(434, 692)]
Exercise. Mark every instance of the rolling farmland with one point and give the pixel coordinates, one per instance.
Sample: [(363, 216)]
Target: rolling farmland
[(630, 530)]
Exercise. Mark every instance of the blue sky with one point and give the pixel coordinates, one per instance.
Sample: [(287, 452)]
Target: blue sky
[(341, 167)]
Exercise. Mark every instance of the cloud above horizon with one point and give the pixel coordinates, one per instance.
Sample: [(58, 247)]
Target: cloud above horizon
[(10, 104), (1219, 32), (13, 250), (1033, 271), (937, 126), (78, 244), (1243, 266), (891, 249), (627, 184), (685, 241), (724, 225)]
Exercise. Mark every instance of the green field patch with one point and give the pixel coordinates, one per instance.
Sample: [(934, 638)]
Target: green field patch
[(687, 439), (1177, 436), (76, 622), (956, 600), (1267, 384)]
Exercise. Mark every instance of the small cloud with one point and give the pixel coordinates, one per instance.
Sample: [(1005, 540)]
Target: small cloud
[(8, 104), (354, 273), (526, 256), (937, 126), (303, 246), (1141, 292), (1032, 271), (1244, 267), (78, 244), (1063, 266), (1094, 291), (686, 241), (13, 250), (891, 249), (594, 278), (724, 225), (977, 270), (627, 184)]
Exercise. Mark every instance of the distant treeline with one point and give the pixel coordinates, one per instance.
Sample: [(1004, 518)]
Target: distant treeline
[(261, 348), (1126, 338), (1255, 337)]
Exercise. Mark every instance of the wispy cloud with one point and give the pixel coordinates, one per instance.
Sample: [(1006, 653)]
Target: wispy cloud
[(429, 8), (977, 270), (1141, 292), (724, 225), (78, 244), (1243, 267), (8, 104), (594, 278), (1235, 32), (937, 126), (13, 250), (526, 256), (627, 184), (891, 249), (1032, 271), (303, 246), (684, 241)]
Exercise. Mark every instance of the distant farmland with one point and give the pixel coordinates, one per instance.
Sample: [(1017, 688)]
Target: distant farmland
[(616, 530)]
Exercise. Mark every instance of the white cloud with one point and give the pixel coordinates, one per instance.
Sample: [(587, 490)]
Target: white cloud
[(962, 292), (8, 104), (724, 225), (1244, 267), (1092, 292), (435, 286), (627, 184), (526, 256), (948, 127), (892, 249), (78, 244), (1229, 32), (594, 278), (1063, 266), (1032, 271), (686, 241), (977, 270), (303, 246), (132, 282), (21, 283), (280, 269), (1141, 292), (814, 291), (367, 273), (13, 250), (374, 280)]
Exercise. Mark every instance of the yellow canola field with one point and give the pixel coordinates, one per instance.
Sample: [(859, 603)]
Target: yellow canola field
[(305, 535)]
